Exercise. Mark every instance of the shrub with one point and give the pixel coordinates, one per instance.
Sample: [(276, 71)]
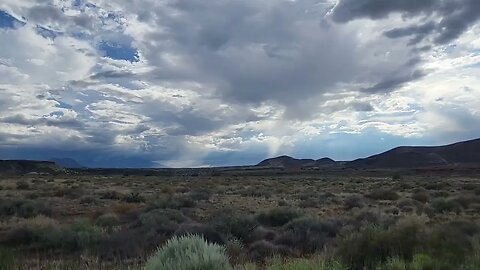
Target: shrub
[(421, 196), (133, 197), (383, 194), (261, 250), (189, 252), (255, 192), (307, 234), (419, 262), (173, 202), (371, 218), (205, 231), (282, 203), (307, 264), (22, 185), (88, 200), (372, 245), (234, 225), (161, 221), (70, 192), (466, 200), (354, 201), (278, 216), (107, 220), (445, 206), (200, 195), (80, 235), (262, 233), (309, 203), (110, 195), (23, 208)]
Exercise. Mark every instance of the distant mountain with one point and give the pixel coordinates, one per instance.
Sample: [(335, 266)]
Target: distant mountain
[(461, 153), (67, 163), (290, 162), (15, 167)]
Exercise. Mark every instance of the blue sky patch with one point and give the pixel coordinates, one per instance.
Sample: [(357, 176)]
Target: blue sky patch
[(118, 51), (47, 33), (8, 21)]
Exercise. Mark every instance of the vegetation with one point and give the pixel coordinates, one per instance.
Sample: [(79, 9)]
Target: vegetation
[(189, 252), (289, 221)]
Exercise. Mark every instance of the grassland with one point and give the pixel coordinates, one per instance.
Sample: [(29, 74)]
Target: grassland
[(271, 221)]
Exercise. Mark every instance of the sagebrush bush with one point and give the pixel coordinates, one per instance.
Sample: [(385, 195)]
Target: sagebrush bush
[(261, 250), (353, 201), (421, 196), (383, 194), (278, 216), (446, 205), (190, 252), (110, 195), (23, 208), (235, 225), (108, 220), (206, 231), (133, 197), (307, 264), (22, 185), (308, 234), (373, 245)]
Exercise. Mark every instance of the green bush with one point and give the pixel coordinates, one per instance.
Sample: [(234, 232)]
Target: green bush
[(133, 197), (107, 220), (22, 185), (421, 196), (278, 216), (383, 194), (172, 202), (235, 225), (23, 208), (261, 250), (110, 195), (189, 252), (308, 234), (446, 205), (353, 201), (307, 264), (80, 235), (372, 245)]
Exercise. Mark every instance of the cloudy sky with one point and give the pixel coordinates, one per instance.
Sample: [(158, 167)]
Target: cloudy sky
[(179, 83)]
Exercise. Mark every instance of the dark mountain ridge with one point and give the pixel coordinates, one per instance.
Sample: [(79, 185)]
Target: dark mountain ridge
[(15, 167), (456, 154)]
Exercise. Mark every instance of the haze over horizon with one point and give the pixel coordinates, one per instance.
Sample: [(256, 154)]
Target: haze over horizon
[(208, 83)]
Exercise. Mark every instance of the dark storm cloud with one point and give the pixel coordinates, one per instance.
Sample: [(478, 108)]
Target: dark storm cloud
[(347, 10), (249, 52), (449, 18), (45, 14), (391, 84), (419, 32)]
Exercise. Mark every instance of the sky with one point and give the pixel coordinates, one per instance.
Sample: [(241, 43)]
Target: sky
[(188, 83)]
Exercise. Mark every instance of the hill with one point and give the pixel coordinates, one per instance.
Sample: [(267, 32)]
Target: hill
[(461, 153), (290, 162), (457, 154), (67, 163), (16, 167)]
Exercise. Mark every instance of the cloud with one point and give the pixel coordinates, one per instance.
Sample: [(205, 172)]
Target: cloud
[(449, 18), (188, 83)]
